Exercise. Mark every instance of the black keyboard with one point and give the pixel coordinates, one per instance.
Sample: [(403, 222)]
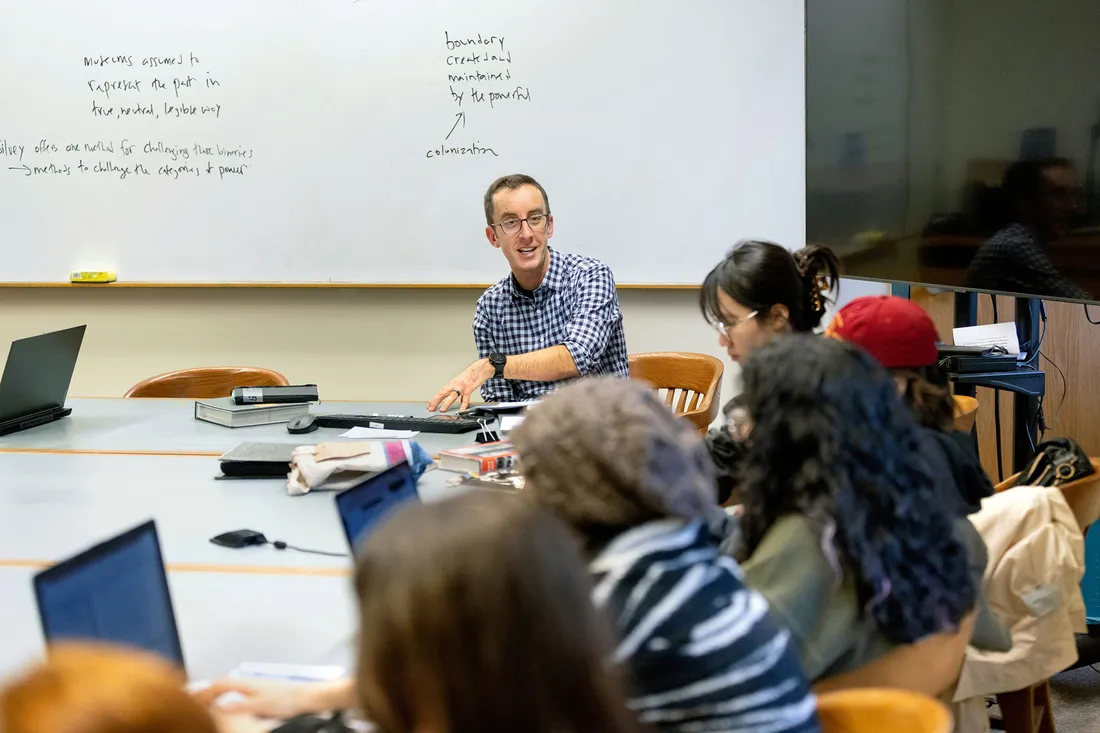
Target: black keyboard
[(451, 424)]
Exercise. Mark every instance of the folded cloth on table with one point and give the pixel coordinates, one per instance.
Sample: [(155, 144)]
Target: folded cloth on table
[(339, 466)]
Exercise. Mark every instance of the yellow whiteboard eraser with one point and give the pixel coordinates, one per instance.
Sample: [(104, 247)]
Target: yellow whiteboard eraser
[(92, 276)]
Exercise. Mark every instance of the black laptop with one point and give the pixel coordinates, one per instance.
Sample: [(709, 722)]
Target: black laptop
[(115, 592), (36, 379), (364, 506)]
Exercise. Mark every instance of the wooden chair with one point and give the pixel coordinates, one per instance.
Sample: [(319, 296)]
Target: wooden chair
[(929, 667), (206, 382), (966, 411), (692, 383), (881, 711)]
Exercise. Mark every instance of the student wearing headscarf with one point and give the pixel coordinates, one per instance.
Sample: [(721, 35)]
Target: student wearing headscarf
[(701, 650)]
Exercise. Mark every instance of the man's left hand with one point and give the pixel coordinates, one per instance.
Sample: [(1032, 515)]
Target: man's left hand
[(462, 387)]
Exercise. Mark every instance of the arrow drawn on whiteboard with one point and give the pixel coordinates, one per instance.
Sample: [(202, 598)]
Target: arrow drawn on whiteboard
[(460, 117), (21, 168)]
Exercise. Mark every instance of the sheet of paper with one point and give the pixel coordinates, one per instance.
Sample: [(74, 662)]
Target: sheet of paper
[(287, 672), (379, 434), (502, 406), (509, 422), (995, 334)]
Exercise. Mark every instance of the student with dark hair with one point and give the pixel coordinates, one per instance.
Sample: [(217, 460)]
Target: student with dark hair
[(475, 616), (758, 291), (1039, 199), (901, 336), (701, 651), (843, 529)]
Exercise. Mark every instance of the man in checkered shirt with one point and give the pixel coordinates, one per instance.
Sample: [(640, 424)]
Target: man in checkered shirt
[(1040, 196), (555, 317)]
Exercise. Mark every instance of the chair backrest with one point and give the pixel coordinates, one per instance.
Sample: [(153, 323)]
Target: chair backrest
[(881, 711), (1082, 495), (929, 667), (205, 383), (691, 383), (966, 412)]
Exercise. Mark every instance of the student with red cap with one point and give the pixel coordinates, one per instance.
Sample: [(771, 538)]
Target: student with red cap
[(900, 335)]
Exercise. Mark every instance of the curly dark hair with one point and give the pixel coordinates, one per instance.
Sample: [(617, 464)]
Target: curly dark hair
[(832, 440)]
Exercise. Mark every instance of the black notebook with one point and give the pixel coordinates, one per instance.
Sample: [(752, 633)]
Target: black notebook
[(258, 460)]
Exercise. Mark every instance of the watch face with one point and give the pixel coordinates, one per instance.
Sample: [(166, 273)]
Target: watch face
[(496, 358)]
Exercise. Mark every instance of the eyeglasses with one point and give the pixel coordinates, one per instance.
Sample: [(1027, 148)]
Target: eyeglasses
[(724, 329), (511, 226)]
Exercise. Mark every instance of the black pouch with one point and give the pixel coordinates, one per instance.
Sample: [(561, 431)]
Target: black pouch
[(1056, 462)]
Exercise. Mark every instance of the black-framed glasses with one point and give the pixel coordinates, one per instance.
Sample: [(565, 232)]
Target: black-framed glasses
[(535, 221)]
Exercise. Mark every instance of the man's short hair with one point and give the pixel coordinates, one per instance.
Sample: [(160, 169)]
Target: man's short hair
[(512, 182), (1024, 177)]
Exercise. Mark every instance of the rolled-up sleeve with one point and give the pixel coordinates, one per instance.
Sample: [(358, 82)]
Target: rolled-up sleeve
[(495, 389), (595, 314)]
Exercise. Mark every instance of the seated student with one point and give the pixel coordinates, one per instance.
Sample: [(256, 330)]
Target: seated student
[(702, 651), (758, 291), (474, 617), (555, 317), (83, 688), (843, 529), (901, 336)]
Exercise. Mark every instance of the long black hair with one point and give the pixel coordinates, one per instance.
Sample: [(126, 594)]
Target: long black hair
[(761, 274), (832, 440)]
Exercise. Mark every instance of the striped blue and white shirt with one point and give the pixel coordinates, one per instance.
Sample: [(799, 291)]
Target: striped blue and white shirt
[(701, 649)]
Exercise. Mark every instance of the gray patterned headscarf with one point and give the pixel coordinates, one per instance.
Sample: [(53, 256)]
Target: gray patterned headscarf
[(604, 451)]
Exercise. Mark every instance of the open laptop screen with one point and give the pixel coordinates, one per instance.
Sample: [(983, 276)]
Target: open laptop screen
[(115, 592), (362, 507)]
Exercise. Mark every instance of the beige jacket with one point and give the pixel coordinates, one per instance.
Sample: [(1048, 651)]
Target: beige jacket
[(1033, 585)]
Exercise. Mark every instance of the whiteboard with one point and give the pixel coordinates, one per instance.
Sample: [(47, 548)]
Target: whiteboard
[(319, 141)]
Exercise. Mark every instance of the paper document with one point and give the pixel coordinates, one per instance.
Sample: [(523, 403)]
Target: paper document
[(509, 422), (379, 434), (995, 334), (287, 672), (504, 406)]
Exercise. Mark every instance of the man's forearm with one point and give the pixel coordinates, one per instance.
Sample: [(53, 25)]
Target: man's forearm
[(545, 365)]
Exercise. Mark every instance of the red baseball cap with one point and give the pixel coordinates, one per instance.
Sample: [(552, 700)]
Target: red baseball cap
[(896, 331)]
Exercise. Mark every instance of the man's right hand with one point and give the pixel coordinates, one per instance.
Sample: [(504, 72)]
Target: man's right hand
[(462, 387)]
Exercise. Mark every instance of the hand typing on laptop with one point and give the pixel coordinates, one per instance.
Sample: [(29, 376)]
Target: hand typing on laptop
[(276, 701)]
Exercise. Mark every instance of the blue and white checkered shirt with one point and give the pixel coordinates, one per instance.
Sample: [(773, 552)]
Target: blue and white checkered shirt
[(576, 306)]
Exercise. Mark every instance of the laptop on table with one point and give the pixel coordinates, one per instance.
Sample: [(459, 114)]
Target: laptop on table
[(363, 507), (36, 379), (115, 592)]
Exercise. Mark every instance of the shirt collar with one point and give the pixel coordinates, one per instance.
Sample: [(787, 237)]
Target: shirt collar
[(553, 280)]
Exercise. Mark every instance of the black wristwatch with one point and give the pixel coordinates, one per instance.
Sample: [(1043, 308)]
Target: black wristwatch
[(498, 361)]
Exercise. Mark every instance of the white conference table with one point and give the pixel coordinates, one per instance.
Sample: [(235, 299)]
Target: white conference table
[(224, 619), (116, 463), (161, 425)]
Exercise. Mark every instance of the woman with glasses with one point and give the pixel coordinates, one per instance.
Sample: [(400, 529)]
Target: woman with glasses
[(758, 291)]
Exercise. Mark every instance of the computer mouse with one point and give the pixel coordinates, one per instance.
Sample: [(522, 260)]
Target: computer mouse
[(302, 424)]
